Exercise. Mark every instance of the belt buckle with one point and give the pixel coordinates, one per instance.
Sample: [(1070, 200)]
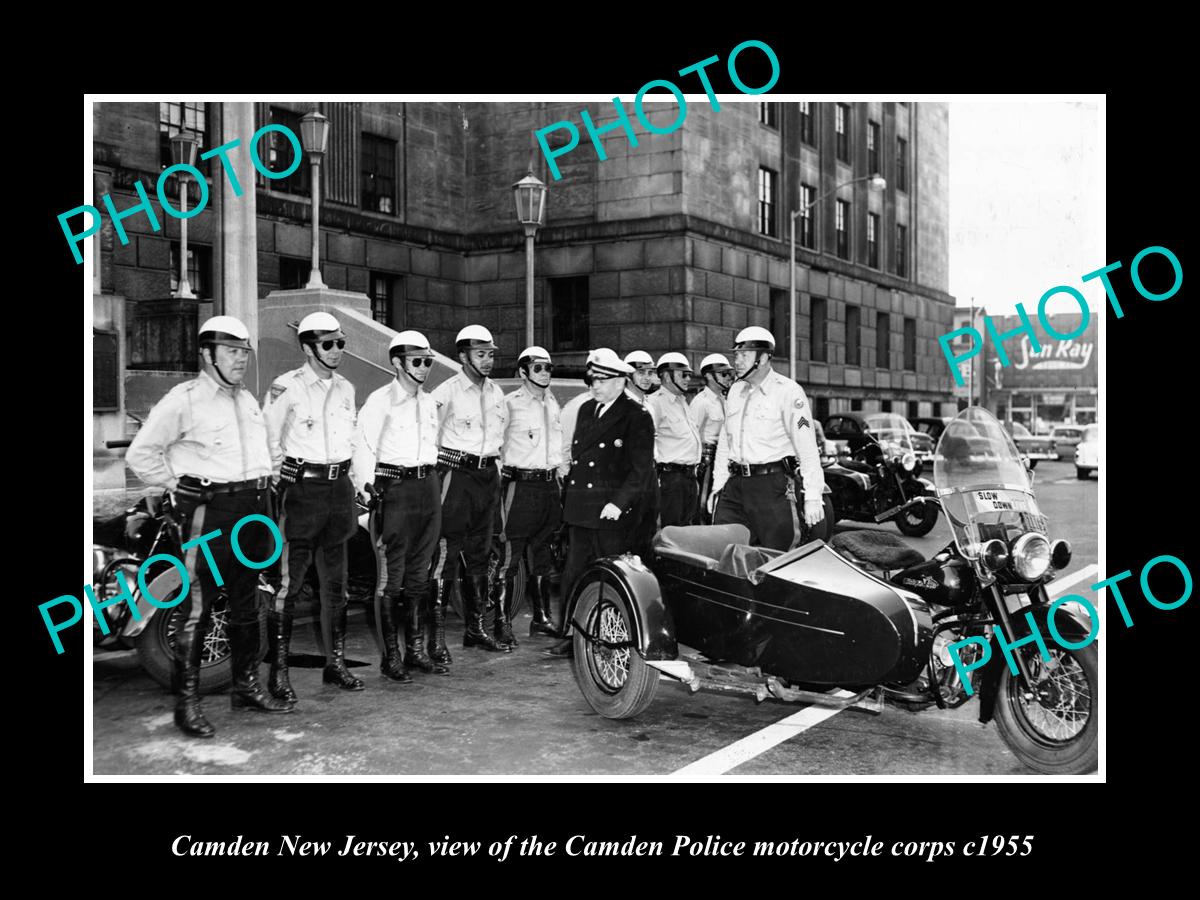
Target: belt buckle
[(332, 473), (481, 462), (745, 469), (262, 482)]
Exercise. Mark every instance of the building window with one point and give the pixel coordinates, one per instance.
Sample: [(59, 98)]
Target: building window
[(779, 324), (843, 229), (873, 240), (378, 174), (885, 405), (569, 313), (856, 404), (199, 270), (902, 251), (853, 336), (806, 123), (901, 164), (808, 194), (280, 153), (873, 147), (293, 273), (766, 202), (820, 350), (383, 292), (189, 117), (821, 408), (768, 114), (910, 344), (914, 409), (842, 129), (883, 341), (106, 374)]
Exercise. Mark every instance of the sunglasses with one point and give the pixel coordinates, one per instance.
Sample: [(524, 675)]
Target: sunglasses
[(539, 368), (419, 361), (329, 345)]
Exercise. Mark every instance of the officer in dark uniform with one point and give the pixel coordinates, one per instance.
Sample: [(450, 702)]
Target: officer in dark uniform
[(612, 470), (206, 442)]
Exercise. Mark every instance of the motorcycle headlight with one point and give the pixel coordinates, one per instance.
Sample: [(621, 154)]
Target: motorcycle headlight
[(908, 461), (1031, 556), (994, 555)]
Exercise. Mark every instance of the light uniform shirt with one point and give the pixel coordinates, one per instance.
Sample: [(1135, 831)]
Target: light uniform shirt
[(570, 415), (533, 435), (763, 424), (472, 420), (676, 438), (310, 417), (708, 412), (636, 396), (395, 428), (203, 429)]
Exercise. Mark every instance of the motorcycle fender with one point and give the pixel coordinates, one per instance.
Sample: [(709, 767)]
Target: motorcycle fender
[(655, 631), (166, 587), (1070, 627)]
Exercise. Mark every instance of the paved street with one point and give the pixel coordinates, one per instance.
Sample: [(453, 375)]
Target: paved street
[(522, 713)]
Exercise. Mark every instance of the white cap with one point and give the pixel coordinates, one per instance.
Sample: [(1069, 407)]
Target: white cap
[(475, 337), (673, 360), (754, 337), (639, 358), (410, 342), (714, 359), (607, 361), (225, 330), (533, 353), (318, 322)]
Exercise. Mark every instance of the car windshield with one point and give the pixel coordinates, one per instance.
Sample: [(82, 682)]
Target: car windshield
[(891, 430), (1067, 432)]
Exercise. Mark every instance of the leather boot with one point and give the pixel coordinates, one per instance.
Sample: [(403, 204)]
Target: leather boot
[(439, 594), (392, 666), (540, 597), (279, 639), (189, 717), (335, 664), (475, 591), (247, 693), (415, 655), (502, 600)]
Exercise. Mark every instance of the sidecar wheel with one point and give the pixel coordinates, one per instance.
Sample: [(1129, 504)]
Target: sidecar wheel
[(917, 521), (616, 683), (1057, 733)]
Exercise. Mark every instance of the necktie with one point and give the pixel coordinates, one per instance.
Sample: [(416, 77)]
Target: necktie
[(599, 410)]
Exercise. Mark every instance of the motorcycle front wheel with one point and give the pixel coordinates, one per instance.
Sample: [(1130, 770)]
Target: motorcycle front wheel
[(917, 521), (1057, 732), (615, 682)]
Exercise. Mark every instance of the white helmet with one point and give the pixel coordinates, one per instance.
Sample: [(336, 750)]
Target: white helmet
[(673, 361), (318, 325), (225, 330), (755, 337), (409, 343), (474, 337), (533, 353), (716, 361), (638, 358), (606, 361)]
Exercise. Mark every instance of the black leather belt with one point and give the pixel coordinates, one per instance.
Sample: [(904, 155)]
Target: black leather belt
[(299, 469), (677, 467), (456, 459), (192, 483), (383, 470), (746, 470), (513, 474)]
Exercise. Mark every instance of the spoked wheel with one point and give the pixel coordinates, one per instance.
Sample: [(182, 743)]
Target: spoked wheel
[(918, 520), (1056, 731), (611, 674)]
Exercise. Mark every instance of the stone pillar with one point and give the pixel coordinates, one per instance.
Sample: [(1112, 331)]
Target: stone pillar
[(239, 223)]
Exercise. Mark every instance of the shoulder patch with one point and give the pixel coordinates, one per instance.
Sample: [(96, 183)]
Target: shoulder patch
[(277, 389), (799, 404), (802, 422)]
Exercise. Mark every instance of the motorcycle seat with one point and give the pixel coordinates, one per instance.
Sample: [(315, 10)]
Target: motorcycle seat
[(739, 560), (700, 545), (878, 549)]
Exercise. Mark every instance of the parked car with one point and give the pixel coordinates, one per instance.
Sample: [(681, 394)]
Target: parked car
[(1087, 452), (1065, 438), (1033, 446), (841, 427)]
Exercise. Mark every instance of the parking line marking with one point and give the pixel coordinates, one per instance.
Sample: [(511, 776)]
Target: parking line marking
[(744, 750), (740, 751)]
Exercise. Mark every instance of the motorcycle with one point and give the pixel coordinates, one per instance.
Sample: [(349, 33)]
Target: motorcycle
[(866, 614), (880, 481)]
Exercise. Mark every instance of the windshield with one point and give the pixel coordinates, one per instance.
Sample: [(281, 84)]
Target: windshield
[(984, 488), (892, 432)]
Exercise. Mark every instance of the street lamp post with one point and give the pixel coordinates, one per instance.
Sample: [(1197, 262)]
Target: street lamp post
[(877, 181), (314, 135), (530, 195), (183, 153)]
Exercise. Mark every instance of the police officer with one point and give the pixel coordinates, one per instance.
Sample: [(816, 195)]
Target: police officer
[(708, 412), (640, 383), (472, 418), (530, 509), (395, 469), (206, 442), (768, 439), (676, 442), (570, 415), (310, 423), (611, 470)]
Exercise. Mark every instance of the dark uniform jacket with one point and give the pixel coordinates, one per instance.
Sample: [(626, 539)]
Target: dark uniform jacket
[(612, 461)]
